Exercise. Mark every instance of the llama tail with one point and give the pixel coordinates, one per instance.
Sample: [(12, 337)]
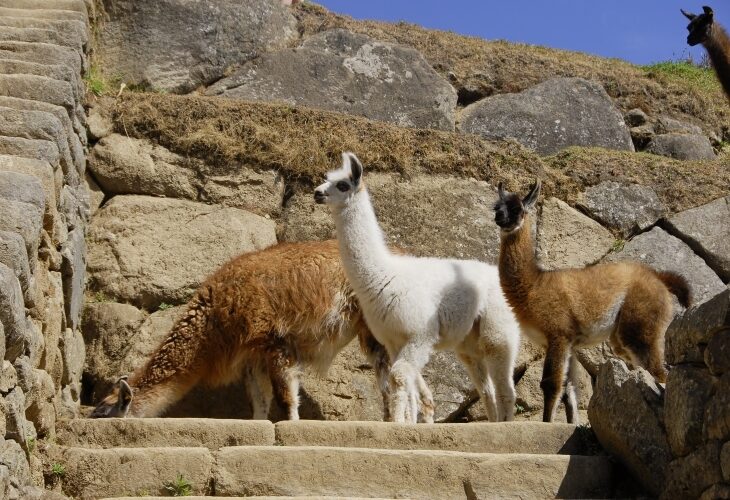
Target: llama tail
[(677, 285)]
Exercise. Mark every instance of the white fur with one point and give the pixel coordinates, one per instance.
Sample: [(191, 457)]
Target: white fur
[(415, 305)]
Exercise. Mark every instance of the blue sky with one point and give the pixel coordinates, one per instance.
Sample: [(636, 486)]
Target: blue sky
[(640, 31)]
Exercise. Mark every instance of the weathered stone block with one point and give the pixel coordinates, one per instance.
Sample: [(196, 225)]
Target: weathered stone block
[(725, 461), (689, 476), (626, 208), (73, 269), (150, 44), (688, 392), (566, 238), (682, 146), (8, 376), (73, 352), (26, 220), (44, 173), (688, 334), (717, 352), (12, 314), (350, 73), (15, 460), (636, 437), (717, 416), (152, 234), (551, 116), (14, 255), (707, 231)]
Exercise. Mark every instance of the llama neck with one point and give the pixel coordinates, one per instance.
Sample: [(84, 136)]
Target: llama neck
[(518, 269), (362, 245), (718, 48)]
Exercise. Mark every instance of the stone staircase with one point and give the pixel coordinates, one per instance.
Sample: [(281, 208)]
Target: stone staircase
[(136, 457)]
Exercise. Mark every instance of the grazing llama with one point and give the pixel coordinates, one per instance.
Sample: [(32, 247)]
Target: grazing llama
[(265, 313), (627, 303), (702, 29), (415, 305)]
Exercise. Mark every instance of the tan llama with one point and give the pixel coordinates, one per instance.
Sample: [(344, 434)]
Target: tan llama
[(627, 303), (266, 314), (703, 29)]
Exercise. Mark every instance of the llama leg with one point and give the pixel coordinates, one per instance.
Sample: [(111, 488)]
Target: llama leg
[(480, 378), (400, 379), (284, 374), (553, 376), (427, 405), (500, 369), (377, 356), (408, 383), (570, 395), (260, 391)]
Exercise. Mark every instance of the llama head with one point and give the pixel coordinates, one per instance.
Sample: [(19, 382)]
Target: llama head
[(510, 210), (117, 403), (341, 184), (700, 26)]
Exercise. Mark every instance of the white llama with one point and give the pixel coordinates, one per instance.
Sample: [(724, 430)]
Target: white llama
[(415, 305)]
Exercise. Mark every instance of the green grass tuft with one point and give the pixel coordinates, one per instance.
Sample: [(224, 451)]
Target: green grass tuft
[(95, 82), (164, 305), (179, 487), (702, 78), (58, 470)]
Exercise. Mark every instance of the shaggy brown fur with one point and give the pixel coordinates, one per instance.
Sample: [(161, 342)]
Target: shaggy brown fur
[(629, 303), (703, 29), (267, 312)]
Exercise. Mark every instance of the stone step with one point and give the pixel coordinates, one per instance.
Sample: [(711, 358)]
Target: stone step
[(330, 471), (318, 497), (56, 14), (73, 5), (508, 437)]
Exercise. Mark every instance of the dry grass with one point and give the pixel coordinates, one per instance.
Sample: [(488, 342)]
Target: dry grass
[(478, 68), (303, 144)]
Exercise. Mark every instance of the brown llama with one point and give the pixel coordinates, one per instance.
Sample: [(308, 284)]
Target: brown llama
[(627, 303), (703, 29), (264, 314)]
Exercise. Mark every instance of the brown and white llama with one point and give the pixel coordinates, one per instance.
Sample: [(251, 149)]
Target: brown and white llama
[(627, 303), (703, 29), (264, 314)]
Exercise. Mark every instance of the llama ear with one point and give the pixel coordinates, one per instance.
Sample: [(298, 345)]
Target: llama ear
[(529, 201), (688, 15), (125, 392), (355, 169), (500, 190), (708, 11)]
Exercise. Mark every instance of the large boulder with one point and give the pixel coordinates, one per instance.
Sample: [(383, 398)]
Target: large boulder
[(625, 208), (664, 252), (446, 216), (350, 73), (689, 389), (146, 251), (707, 230), (636, 437), (682, 146), (123, 165), (689, 476), (551, 116), (566, 238), (177, 45)]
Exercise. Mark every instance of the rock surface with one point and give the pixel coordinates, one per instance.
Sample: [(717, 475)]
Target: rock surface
[(351, 73), (688, 392), (707, 230), (682, 146), (149, 43), (626, 208), (447, 217), (551, 116), (664, 252), (147, 250), (123, 165), (566, 238), (635, 436)]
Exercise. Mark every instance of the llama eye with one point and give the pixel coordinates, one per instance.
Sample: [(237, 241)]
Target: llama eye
[(343, 186)]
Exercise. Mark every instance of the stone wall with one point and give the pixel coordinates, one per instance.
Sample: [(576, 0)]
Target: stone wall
[(43, 216)]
